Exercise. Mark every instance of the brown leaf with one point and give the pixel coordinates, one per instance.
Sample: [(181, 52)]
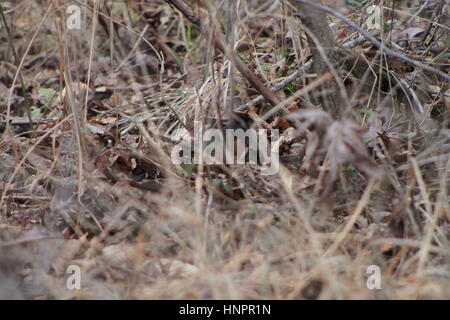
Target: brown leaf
[(339, 142)]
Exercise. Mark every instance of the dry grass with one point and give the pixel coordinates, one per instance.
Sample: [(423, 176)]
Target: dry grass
[(91, 182)]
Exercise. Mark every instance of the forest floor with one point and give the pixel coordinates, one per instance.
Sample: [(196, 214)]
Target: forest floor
[(92, 109)]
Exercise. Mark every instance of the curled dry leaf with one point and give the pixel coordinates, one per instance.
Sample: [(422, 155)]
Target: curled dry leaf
[(120, 255), (176, 268), (339, 142), (126, 256), (314, 122)]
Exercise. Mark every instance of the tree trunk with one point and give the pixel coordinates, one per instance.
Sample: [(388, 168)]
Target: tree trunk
[(315, 22)]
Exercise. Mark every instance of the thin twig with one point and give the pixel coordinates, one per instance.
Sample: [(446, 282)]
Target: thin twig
[(283, 83), (158, 54), (353, 218), (16, 63)]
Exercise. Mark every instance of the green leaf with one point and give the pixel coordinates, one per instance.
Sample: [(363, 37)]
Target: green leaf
[(244, 57), (358, 4), (134, 17), (292, 87), (228, 188), (367, 112), (266, 66), (189, 168), (35, 112), (46, 95), (305, 196)]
